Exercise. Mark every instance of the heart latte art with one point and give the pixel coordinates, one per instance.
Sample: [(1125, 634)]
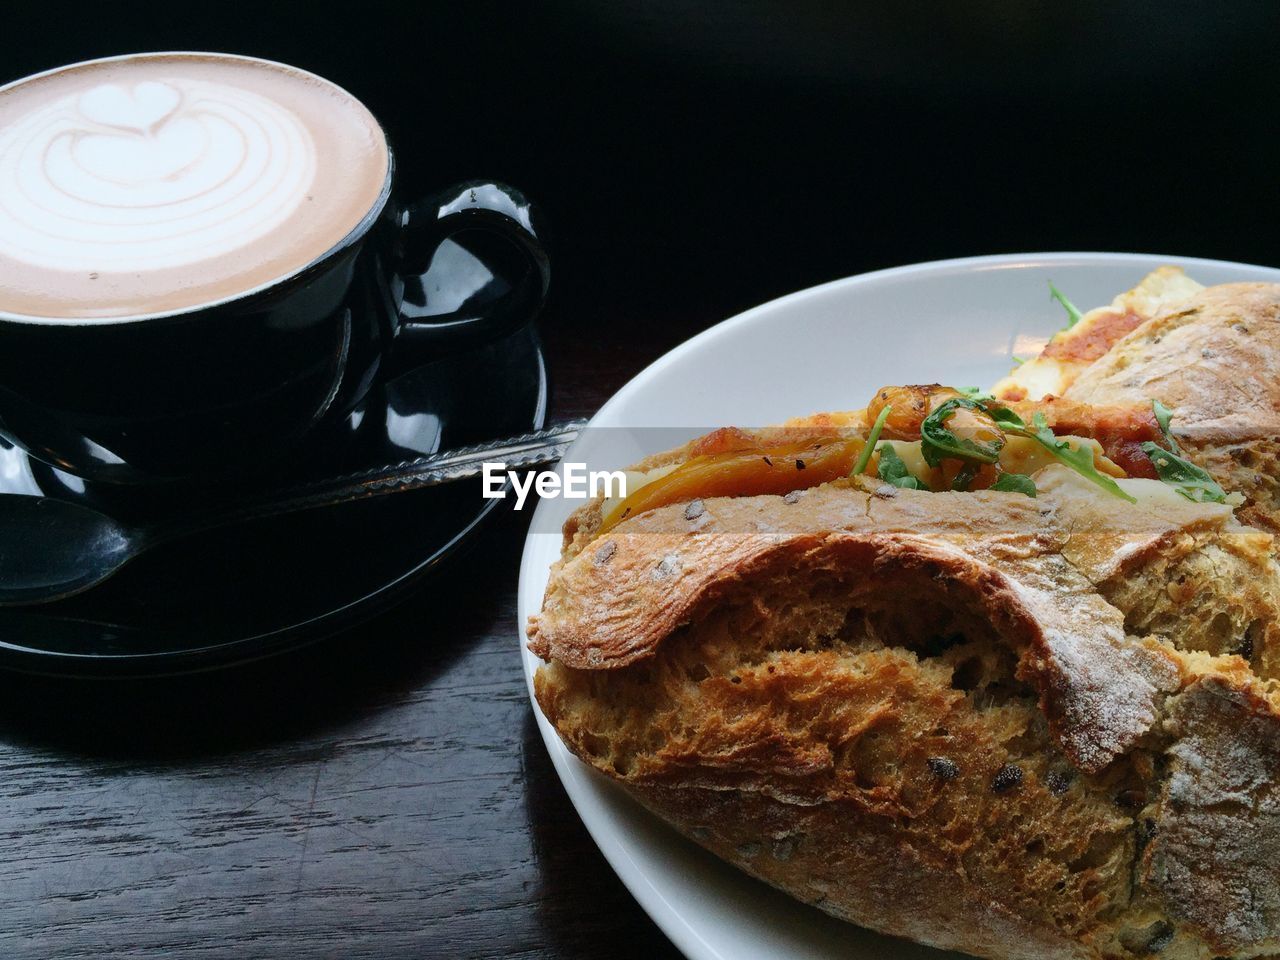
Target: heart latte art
[(156, 175), (150, 184)]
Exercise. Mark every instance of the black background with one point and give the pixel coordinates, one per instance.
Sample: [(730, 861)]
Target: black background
[(718, 154), (386, 794)]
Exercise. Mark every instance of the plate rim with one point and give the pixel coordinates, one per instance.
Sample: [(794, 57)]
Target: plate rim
[(993, 261), (602, 829)]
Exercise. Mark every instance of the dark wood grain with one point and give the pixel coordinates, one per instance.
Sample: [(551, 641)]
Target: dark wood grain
[(384, 794)]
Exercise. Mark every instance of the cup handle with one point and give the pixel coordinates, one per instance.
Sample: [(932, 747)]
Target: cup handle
[(471, 265)]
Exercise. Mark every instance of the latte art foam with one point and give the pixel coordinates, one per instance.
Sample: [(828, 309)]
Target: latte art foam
[(157, 175), (154, 183)]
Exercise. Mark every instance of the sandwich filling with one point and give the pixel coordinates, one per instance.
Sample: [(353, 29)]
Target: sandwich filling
[(928, 437)]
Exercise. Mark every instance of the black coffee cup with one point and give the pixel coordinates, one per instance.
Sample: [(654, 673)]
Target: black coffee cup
[(221, 387)]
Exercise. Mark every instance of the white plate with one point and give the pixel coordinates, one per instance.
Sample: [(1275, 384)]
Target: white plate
[(826, 348)]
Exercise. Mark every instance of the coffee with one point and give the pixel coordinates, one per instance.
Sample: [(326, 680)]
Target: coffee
[(154, 183)]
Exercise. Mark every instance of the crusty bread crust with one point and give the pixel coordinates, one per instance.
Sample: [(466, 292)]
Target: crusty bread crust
[(1216, 822), (950, 717), (1214, 359)]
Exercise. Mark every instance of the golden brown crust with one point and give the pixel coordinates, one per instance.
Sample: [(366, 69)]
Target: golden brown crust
[(1019, 728), (907, 883), (614, 603), (924, 712), (1214, 360)]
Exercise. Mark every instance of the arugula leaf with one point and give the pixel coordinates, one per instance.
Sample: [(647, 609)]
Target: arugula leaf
[(1191, 481), (1016, 483), (938, 443), (865, 456), (1163, 416), (1073, 312), (1080, 460), (892, 470), (1006, 419)]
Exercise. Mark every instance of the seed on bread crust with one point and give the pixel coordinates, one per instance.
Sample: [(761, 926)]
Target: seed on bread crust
[(1059, 781), (1007, 778), (1161, 937), (942, 768)]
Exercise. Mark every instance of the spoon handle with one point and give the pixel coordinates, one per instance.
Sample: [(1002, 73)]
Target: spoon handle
[(526, 450)]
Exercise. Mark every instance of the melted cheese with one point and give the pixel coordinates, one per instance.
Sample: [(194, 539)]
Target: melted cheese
[(1022, 455), (1153, 496)]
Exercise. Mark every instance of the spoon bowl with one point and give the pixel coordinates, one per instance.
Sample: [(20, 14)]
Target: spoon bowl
[(52, 549)]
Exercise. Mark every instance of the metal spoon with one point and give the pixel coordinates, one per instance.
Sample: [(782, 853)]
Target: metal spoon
[(51, 549)]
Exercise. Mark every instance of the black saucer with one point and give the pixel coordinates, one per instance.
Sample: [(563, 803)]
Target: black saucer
[(260, 588)]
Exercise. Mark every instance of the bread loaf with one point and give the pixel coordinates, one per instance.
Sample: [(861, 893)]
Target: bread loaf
[(1018, 728), (1023, 728)]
